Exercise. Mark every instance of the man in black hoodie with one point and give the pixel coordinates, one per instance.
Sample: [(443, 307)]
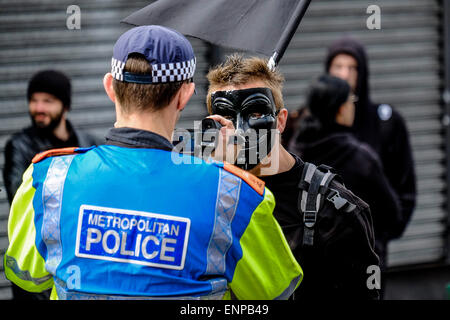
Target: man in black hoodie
[(378, 125)]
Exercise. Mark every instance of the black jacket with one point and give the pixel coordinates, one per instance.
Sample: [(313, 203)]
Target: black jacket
[(361, 170), (384, 129), (24, 145)]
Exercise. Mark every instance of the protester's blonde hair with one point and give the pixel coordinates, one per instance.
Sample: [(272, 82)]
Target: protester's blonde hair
[(237, 70)]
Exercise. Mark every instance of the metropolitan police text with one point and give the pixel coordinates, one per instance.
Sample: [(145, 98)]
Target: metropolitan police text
[(94, 235)]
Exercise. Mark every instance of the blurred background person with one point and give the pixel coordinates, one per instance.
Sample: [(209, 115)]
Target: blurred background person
[(325, 137), (49, 100), (378, 125)]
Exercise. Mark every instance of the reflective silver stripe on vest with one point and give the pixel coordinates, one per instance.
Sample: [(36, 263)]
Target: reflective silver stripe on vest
[(64, 294), (289, 290), (24, 274), (51, 198), (221, 238)]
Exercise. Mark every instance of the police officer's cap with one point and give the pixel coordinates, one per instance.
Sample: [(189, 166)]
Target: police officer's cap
[(169, 53)]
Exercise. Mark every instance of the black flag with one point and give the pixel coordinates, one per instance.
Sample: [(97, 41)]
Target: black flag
[(262, 26)]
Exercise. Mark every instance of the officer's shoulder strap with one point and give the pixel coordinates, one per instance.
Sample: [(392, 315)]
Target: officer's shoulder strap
[(58, 152), (254, 182)]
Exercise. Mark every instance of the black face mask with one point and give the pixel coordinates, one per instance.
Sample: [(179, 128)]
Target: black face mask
[(254, 114)]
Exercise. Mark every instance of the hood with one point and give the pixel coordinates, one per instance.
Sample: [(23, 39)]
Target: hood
[(334, 150), (354, 48), (365, 125), (331, 146)]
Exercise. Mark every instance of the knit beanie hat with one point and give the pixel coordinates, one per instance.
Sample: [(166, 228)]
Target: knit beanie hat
[(52, 82)]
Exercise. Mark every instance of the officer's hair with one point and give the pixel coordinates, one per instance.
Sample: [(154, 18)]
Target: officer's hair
[(237, 70), (134, 97)]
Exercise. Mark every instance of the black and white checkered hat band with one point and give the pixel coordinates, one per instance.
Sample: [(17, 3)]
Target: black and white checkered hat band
[(161, 73)]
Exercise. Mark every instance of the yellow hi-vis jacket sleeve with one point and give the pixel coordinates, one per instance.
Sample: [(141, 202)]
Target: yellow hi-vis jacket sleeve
[(270, 271), (24, 265)]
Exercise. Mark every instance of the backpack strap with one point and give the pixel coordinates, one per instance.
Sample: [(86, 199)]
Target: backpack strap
[(339, 202), (314, 185)]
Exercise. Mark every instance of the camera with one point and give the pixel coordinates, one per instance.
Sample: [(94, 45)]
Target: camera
[(208, 124), (200, 141)]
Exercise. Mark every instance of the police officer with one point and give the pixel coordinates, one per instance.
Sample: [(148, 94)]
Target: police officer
[(126, 220)]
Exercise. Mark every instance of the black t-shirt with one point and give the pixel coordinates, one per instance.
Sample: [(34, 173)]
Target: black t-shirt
[(284, 187)]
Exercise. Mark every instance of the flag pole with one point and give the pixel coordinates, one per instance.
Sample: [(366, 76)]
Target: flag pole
[(288, 33)]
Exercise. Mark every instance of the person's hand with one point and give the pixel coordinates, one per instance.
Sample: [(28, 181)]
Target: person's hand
[(226, 149)]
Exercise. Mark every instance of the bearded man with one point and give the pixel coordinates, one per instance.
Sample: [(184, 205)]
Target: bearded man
[(49, 100)]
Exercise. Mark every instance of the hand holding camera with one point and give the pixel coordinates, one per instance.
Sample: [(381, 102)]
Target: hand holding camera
[(225, 148)]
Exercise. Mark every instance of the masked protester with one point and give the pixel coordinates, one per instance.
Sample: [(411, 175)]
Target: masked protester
[(325, 137), (378, 125), (254, 115), (245, 95), (125, 220), (49, 100)]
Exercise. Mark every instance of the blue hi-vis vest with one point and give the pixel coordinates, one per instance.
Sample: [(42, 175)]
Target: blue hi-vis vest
[(114, 222)]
